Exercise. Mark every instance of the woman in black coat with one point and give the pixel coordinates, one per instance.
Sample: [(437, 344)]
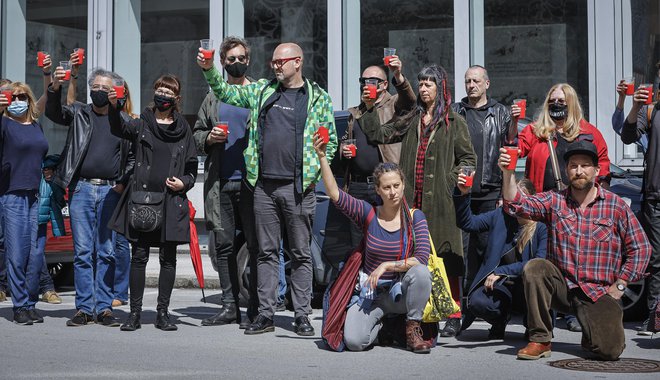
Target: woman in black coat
[(165, 169)]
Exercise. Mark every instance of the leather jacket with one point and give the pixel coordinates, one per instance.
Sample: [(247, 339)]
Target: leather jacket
[(77, 117), (496, 127)]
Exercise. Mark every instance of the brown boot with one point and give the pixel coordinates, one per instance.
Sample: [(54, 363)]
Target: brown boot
[(414, 339)]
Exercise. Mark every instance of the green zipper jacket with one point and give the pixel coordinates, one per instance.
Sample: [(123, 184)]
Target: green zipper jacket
[(253, 96)]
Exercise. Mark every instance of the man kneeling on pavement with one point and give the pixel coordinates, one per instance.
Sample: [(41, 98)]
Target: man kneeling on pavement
[(597, 246)]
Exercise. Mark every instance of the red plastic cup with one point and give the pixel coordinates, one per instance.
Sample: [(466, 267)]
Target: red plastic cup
[(207, 48), (522, 104), (8, 94), (120, 91), (648, 87), (512, 151), (324, 133), (630, 85), (353, 149), (41, 55), (81, 55), (387, 55), (468, 172), (67, 75), (208, 54), (469, 180), (223, 126), (372, 86)]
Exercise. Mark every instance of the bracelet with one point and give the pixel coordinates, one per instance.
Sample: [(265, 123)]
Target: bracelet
[(46, 74)]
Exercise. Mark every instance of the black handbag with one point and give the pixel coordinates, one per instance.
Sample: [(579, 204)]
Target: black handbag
[(145, 210)]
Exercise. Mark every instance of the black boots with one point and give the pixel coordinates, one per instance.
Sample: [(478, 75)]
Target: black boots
[(132, 323), (163, 321), (229, 313)]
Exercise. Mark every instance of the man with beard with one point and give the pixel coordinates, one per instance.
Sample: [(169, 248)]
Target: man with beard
[(596, 248)]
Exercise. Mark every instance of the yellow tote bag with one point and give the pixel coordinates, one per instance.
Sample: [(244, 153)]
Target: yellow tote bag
[(440, 304)]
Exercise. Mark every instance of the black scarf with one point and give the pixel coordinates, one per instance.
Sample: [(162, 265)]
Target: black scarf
[(170, 133)]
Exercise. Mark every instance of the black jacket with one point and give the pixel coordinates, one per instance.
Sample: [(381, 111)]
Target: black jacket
[(176, 224), (649, 125), (77, 117), (496, 128)]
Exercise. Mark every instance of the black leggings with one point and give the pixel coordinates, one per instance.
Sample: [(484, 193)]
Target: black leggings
[(167, 256)]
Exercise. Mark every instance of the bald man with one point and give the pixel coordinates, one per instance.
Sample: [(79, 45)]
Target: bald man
[(359, 167), (281, 163)]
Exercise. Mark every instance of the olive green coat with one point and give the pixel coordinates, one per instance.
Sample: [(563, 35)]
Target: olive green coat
[(449, 149)]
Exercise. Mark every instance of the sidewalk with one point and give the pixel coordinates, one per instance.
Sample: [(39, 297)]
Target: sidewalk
[(185, 274)]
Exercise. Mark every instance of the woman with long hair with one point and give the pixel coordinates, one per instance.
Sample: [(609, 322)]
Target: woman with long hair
[(561, 121), (435, 146), (165, 169), (512, 241), (396, 251), (23, 147)]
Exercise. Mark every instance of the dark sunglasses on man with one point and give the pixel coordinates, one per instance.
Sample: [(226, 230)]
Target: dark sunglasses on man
[(363, 80), (240, 58)]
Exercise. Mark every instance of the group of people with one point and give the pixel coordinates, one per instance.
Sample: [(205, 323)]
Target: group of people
[(561, 242)]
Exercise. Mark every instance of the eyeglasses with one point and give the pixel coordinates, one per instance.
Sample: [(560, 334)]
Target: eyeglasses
[(278, 63), (22, 97), (240, 58), (363, 80), (165, 93), (557, 101), (98, 87)]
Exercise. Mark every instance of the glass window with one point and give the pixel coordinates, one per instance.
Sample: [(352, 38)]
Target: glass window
[(422, 31), (529, 46), (171, 31), (269, 23), (56, 28)]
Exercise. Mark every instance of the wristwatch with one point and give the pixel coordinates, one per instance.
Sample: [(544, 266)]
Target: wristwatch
[(620, 287)]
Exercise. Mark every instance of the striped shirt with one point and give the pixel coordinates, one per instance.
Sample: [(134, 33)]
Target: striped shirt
[(383, 245), (592, 247)]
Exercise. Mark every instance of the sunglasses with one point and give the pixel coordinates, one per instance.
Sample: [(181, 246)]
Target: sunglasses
[(22, 97), (278, 63), (363, 80), (558, 101), (240, 58)]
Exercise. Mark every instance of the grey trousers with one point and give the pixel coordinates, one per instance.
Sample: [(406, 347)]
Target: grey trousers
[(362, 325), (277, 206), (601, 321)]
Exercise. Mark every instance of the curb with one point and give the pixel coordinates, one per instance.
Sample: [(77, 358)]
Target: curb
[(151, 281)]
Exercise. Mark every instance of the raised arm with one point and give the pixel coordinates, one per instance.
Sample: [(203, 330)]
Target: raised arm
[(125, 128), (55, 111), (331, 188), (41, 103), (636, 123), (465, 219)]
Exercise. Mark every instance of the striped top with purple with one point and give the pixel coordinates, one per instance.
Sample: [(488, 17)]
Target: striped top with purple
[(383, 245)]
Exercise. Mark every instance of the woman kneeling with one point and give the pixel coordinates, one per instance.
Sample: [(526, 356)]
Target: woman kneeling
[(394, 278)]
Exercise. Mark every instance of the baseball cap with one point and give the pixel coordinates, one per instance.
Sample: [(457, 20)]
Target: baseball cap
[(582, 147)]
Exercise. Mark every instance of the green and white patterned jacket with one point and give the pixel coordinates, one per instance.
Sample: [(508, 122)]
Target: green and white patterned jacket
[(253, 96)]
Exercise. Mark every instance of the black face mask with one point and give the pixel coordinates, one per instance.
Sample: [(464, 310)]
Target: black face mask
[(163, 103), (99, 98), (236, 70), (558, 111)]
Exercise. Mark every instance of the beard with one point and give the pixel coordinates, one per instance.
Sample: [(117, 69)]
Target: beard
[(582, 183)]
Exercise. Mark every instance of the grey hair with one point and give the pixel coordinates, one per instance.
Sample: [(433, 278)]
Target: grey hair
[(99, 72), (482, 68)]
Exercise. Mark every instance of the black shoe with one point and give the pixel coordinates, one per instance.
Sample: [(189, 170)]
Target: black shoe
[(260, 325), (80, 319), (163, 321), (22, 317), (132, 323), (573, 325), (228, 314), (36, 318), (303, 327), (452, 328), (107, 319), (496, 332), (643, 330), (245, 322)]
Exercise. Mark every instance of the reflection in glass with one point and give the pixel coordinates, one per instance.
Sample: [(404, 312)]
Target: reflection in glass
[(271, 22), (422, 31), (531, 45)]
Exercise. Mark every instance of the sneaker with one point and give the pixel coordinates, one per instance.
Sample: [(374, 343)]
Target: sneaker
[(452, 328), (117, 303), (260, 325), (643, 329), (51, 296), (107, 319), (34, 316), (303, 327), (22, 317), (3, 296), (80, 319)]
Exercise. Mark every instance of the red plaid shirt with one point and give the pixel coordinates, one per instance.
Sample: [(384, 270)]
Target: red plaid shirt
[(592, 247), (419, 164)]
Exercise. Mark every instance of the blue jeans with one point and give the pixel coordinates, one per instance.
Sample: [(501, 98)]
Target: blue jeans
[(90, 208), (122, 267), (23, 260), (45, 280)]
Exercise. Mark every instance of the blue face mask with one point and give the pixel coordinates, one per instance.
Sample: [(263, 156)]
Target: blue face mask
[(18, 108)]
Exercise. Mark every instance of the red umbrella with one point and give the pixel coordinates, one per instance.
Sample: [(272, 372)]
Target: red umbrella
[(195, 254)]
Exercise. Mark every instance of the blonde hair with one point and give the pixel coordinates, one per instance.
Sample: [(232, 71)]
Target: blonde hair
[(544, 126), (32, 112), (528, 230)]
